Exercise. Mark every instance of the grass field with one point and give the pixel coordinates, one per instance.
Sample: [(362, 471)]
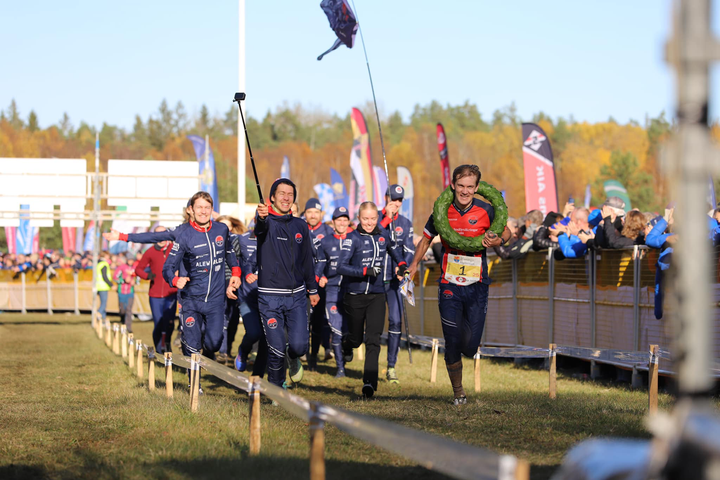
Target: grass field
[(72, 409)]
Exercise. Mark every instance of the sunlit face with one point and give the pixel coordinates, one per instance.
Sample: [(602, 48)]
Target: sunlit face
[(313, 216), (164, 242), (340, 225), (465, 188), (283, 198), (202, 211), (368, 219)]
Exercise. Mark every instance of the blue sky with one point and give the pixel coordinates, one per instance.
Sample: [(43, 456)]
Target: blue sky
[(108, 61)]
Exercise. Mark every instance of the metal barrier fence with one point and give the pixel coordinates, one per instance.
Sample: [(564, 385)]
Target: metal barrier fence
[(433, 452)]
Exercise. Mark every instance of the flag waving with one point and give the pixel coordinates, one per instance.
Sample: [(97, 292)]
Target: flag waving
[(342, 21), (540, 186), (444, 161)]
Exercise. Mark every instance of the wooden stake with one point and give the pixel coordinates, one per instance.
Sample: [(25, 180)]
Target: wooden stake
[(124, 341), (653, 380), (131, 353), (317, 445), (168, 375), (140, 369), (361, 352), (116, 339), (433, 365), (151, 368), (99, 326), (522, 470), (553, 371), (194, 381), (108, 335), (477, 371), (254, 405)]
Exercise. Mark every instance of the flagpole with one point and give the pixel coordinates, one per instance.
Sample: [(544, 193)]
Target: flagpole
[(96, 232), (241, 130)]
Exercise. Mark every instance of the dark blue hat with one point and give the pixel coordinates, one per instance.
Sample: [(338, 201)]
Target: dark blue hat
[(341, 212), (396, 192), (313, 203), (283, 181)]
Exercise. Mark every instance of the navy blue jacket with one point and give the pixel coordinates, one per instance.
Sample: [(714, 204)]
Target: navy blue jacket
[(154, 237), (320, 231), (328, 253), (203, 252), (403, 235), (361, 251), (248, 263), (284, 255)]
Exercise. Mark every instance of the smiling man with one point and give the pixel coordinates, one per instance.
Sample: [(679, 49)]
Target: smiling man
[(463, 289)]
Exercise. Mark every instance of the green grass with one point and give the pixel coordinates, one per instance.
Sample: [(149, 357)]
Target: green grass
[(72, 409)]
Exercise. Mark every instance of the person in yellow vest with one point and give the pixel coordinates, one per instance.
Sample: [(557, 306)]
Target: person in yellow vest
[(103, 283)]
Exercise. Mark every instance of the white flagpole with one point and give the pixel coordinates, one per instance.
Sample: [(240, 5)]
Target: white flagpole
[(241, 131)]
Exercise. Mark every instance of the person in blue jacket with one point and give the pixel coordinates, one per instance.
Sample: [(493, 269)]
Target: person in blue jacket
[(361, 264), (328, 253), (286, 276), (568, 240), (319, 330), (402, 235), (202, 249)]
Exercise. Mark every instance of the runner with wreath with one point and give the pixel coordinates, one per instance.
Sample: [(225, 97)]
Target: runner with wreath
[(467, 227)]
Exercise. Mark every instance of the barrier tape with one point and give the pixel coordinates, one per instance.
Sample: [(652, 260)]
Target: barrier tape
[(168, 362)]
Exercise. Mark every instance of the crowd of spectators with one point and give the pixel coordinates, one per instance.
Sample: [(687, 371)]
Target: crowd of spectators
[(51, 260)]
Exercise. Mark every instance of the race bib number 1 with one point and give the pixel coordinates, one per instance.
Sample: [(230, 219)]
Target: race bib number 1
[(462, 270)]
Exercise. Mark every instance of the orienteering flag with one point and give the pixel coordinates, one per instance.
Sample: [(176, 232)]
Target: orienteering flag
[(340, 195), (327, 199), (380, 185), (540, 186), (405, 180), (206, 162), (444, 160), (342, 21), (360, 162), (285, 169)]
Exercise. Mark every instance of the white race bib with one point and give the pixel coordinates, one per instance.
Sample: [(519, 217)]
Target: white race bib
[(462, 270)]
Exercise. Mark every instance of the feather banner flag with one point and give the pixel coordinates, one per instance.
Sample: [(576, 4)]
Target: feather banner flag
[(380, 185), (405, 180), (361, 188), (342, 21), (444, 160), (540, 186), (206, 162), (325, 194), (285, 169), (340, 194)]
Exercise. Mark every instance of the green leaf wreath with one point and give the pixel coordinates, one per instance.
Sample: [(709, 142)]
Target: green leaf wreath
[(454, 239)]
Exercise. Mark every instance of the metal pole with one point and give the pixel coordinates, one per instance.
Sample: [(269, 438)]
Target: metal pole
[(96, 217), (515, 301), (49, 292), (551, 295), (636, 299), (593, 284), (241, 131), (422, 298), (77, 293), (692, 48), (23, 293)]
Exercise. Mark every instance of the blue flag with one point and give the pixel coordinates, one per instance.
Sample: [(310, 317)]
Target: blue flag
[(89, 237), (340, 194), (285, 169), (325, 195), (342, 21), (25, 234), (208, 178)]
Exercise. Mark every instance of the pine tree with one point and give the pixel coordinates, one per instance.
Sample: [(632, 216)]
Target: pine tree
[(33, 125)]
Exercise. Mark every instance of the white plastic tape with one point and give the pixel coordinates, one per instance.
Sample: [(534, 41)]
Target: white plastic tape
[(168, 362), (507, 464)]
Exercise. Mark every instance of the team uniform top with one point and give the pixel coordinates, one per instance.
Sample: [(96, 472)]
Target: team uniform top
[(284, 255), (155, 237), (328, 254), (360, 251), (403, 235), (202, 251), (471, 222), (320, 231), (248, 263)]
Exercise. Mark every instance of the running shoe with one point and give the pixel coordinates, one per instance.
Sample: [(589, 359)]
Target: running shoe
[(392, 376), (340, 373), (240, 364), (296, 370), (368, 391), (329, 355), (460, 401), (347, 353)]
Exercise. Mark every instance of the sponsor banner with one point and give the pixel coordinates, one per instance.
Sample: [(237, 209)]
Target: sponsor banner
[(405, 180), (444, 160), (540, 186)]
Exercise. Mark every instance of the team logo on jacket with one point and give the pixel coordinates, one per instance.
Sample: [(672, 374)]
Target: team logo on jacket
[(189, 322), (272, 324), (447, 294), (320, 237), (298, 237), (398, 230), (219, 241), (333, 309), (381, 241), (472, 220)]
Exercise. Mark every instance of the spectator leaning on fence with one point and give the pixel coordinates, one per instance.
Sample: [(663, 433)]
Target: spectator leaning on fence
[(462, 299), (569, 236), (103, 283), (541, 239), (633, 230)]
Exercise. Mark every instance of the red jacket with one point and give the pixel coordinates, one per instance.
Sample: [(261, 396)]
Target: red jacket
[(155, 258)]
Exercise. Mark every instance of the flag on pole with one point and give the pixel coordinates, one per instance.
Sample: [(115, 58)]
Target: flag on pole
[(444, 160), (360, 162), (588, 196), (25, 234), (405, 180), (342, 21), (340, 194), (327, 199), (380, 186), (89, 237), (540, 186), (285, 169), (79, 239), (206, 162), (613, 188), (10, 234), (68, 238)]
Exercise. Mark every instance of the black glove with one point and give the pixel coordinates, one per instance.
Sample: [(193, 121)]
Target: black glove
[(401, 270), (151, 276), (373, 271)]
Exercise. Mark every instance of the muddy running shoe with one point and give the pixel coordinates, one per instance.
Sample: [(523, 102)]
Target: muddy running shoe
[(368, 391), (392, 376), (460, 401), (296, 370)]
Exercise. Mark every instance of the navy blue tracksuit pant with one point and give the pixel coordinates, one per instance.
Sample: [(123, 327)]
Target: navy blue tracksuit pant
[(163, 312), (281, 313), (462, 315), (395, 316), (202, 325)]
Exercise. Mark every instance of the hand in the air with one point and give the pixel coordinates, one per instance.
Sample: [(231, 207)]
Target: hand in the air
[(112, 235), (262, 210)]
